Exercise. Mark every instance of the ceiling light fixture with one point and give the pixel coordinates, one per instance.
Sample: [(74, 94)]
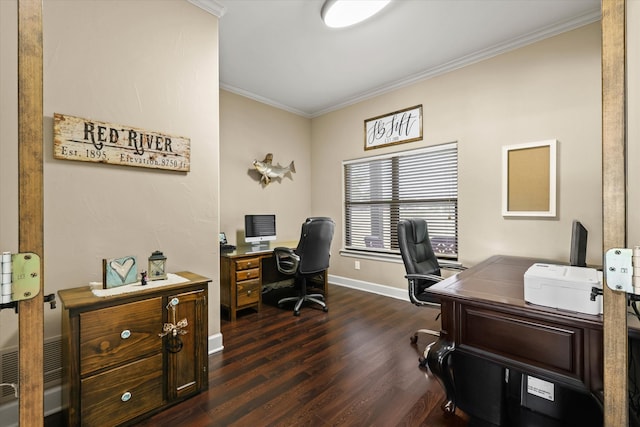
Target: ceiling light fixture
[(343, 13)]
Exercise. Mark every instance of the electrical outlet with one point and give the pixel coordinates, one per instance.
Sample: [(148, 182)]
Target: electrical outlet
[(357, 265)]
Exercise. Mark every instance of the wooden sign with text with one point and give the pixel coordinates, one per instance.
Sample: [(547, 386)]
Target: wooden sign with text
[(393, 128), (86, 140)]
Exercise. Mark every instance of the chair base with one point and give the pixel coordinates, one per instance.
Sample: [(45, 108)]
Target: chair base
[(315, 298), (414, 339)]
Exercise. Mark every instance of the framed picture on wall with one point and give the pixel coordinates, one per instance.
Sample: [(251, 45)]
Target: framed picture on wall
[(393, 128), (529, 179)]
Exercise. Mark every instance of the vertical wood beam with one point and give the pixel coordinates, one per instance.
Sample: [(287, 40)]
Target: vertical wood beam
[(614, 206), (30, 209)]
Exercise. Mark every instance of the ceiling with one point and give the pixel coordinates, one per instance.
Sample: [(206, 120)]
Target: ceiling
[(280, 53)]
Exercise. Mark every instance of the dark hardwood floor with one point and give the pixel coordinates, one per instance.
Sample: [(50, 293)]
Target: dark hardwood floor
[(352, 366)]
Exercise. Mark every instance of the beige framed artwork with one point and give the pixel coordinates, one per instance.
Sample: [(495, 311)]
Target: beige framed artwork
[(529, 179)]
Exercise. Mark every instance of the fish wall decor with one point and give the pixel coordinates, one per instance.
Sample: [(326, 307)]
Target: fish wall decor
[(269, 171)]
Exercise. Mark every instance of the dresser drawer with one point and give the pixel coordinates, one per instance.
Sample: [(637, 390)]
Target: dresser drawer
[(115, 335), (116, 396), (246, 264), (248, 292), (247, 274)]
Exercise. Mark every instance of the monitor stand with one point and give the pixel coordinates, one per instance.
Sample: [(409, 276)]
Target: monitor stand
[(260, 246)]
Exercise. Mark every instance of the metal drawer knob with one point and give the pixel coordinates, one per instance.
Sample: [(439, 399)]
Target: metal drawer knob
[(125, 334), (125, 396), (249, 292)]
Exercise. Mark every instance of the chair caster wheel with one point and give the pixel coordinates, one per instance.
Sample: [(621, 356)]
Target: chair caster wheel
[(296, 313), (414, 339), (422, 362), (325, 309)]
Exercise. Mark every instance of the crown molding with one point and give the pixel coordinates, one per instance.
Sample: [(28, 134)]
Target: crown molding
[(263, 100), (211, 6), (527, 39)]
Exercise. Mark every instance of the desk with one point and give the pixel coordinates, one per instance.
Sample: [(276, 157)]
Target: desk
[(484, 314), (244, 272)]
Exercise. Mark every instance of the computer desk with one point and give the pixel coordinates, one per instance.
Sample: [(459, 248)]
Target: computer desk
[(484, 314), (245, 271)]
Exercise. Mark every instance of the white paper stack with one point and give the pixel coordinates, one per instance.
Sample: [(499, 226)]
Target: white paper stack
[(5, 284)]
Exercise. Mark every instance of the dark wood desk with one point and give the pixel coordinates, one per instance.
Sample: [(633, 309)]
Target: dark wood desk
[(243, 273), (484, 314)]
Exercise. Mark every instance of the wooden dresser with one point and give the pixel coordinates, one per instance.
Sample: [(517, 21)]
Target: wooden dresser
[(116, 366)]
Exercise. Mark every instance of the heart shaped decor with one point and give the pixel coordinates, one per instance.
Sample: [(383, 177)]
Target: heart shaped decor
[(123, 266)]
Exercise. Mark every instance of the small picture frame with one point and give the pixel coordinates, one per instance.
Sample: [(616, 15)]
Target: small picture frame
[(529, 179), (119, 271)]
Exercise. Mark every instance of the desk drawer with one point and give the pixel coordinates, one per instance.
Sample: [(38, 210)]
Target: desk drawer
[(547, 345), (119, 334), (246, 264), (248, 292), (253, 273), (118, 395)]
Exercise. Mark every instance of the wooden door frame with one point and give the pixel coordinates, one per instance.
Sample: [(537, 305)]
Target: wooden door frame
[(30, 208), (614, 207)]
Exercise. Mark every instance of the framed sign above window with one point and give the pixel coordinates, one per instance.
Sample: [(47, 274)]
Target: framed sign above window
[(393, 128)]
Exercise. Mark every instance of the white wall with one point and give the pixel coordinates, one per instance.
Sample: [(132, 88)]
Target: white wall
[(151, 65)]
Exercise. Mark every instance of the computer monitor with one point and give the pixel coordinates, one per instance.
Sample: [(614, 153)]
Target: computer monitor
[(578, 256), (259, 229)]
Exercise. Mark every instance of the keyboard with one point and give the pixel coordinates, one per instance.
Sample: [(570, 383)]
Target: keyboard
[(227, 247)]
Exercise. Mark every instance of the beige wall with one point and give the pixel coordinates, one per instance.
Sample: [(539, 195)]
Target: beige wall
[(550, 89), (249, 130), (152, 65)]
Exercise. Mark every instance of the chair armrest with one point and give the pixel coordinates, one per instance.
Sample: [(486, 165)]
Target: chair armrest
[(431, 277), (451, 266), (286, 260), (412, 286), (454, 267)]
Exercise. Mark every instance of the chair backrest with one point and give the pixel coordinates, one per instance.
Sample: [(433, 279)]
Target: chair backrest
[(415, 247), (314, 245)]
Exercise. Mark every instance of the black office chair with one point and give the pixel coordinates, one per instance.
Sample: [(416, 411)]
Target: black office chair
[(422, 267), (308, 259)]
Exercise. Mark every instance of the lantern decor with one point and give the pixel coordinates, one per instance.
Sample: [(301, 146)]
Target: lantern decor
[(157, 266)]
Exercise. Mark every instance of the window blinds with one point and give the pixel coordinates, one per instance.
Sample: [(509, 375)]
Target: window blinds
[(381, 190)]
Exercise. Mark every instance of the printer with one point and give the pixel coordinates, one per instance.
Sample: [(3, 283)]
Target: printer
[(564, 287)]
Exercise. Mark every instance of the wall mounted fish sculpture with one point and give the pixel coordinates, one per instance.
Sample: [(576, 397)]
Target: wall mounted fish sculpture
[(270, 171)]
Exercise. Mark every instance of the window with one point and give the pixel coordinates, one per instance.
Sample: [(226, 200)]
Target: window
[(381, 190)]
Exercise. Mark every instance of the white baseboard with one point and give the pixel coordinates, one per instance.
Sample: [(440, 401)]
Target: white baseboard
[(387, 291), (215, 343)]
